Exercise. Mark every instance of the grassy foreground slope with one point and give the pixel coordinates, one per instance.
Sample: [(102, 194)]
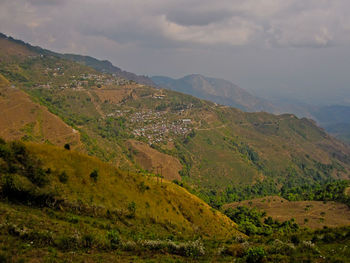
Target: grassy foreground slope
[(86, 203)]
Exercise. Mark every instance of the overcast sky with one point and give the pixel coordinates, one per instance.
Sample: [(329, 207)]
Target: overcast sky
[(290, 48)]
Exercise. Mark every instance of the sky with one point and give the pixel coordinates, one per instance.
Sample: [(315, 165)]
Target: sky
[(292, 49)]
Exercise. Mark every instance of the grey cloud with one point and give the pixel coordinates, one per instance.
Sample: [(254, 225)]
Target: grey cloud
[(47, 2), (252, 42), (190, 18), (155, 23)]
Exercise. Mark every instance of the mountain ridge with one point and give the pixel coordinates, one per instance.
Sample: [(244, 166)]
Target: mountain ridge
[(218, 147), (217, 90)]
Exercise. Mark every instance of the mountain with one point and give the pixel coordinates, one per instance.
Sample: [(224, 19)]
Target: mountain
[(124, 171), (217, 150), (100, 65), (216, 90), (335, 119), (107, 67)]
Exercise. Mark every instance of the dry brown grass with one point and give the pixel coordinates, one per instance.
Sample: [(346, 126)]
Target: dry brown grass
[(163, 203), (8, 49), (115, 95), (21, 116), (317, 213), (149, 158)]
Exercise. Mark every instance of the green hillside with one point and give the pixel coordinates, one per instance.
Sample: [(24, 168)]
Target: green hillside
[(221, 149), (57, 197)]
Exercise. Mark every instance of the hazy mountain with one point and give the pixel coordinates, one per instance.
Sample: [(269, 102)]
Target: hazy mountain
[(216, 90), (335, 119)]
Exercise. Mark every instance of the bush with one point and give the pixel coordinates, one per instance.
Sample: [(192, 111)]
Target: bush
[(66, 243), (67, 146), (132, 209), (114, 238), (295, 239), (191, 249), (87, 240), (143, 187), (255, 255), (235, 250), (94, 175), (63, 177)]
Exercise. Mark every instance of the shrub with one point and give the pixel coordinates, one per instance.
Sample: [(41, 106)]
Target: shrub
[(4, 258), (63, 177), (66, 243), (67, 146), (255, 255), (114, 238), (16, 187), (295, 239), (132, 209), (87, 240), (235, 250), (191, 249), (143, 187), (279, 247), (94, 175)]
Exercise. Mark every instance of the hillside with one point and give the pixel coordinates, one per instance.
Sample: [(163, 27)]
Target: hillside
[(21, 118), (335, 119), (84, 200), (216, 90), (219, 150)]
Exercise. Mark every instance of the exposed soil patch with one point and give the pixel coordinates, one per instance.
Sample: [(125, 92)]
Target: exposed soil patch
[(313, 214)]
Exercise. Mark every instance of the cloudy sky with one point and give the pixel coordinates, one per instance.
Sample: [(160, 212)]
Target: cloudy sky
[(288, 48)]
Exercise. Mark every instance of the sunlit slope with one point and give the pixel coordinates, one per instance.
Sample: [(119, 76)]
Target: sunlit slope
[(21, 118), (158, 203)]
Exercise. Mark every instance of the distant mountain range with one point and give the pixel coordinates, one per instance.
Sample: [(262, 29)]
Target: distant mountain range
[(217, 90), (335, 119)]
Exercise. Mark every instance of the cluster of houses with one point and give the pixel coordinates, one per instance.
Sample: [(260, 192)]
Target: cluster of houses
[(84, 80), (156, 127)]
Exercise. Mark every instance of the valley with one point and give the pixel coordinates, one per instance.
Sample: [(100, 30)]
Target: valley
[(96, 165)]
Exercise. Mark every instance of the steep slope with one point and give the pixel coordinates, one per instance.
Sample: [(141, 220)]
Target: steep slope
[(88, 204), (21, 118), (216, 90), (159, 203), (220, 148)]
